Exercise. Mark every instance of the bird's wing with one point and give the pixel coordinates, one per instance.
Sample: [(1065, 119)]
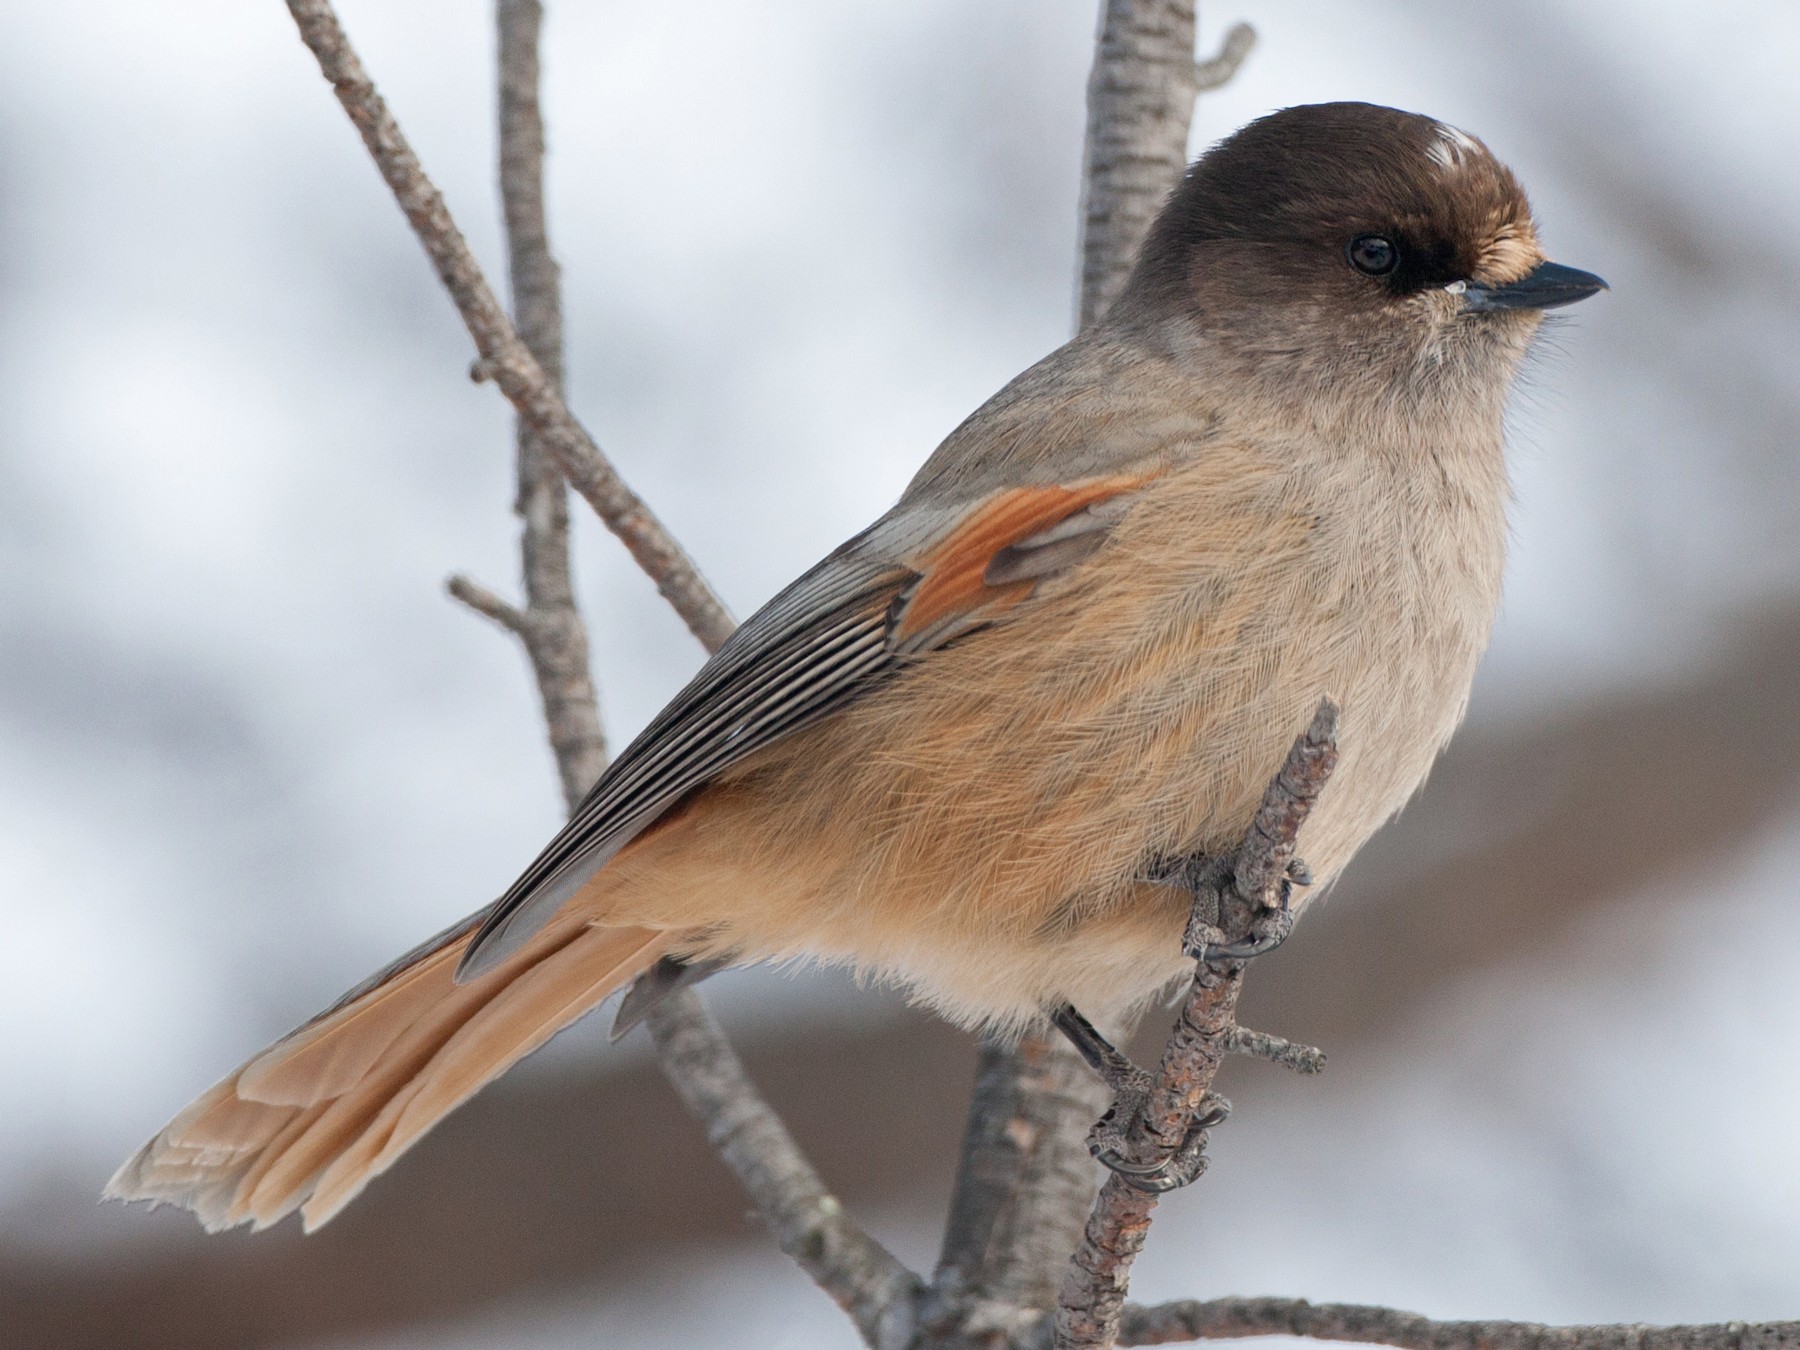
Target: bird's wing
[(914, 581)]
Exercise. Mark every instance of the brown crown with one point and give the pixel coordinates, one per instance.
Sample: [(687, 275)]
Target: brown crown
[(1282, 198)]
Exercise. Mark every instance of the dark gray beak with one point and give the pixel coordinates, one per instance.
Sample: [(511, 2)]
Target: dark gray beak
[(1547, 286)]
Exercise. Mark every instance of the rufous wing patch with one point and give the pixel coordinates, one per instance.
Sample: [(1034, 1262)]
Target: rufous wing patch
[(953, 572)]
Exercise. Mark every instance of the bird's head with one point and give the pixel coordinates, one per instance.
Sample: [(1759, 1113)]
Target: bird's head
[(1344, 250)]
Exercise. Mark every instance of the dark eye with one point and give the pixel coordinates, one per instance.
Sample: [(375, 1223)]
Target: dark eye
[(1374, 254)]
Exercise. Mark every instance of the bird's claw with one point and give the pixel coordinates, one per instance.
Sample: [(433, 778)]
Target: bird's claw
[(1110, 1143), (1267, 929)]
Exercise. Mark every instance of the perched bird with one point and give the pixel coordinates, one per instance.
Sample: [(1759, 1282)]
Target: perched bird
[(955, 752)]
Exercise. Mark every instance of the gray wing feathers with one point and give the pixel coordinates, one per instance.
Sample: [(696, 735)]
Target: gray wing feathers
[(817, 644)]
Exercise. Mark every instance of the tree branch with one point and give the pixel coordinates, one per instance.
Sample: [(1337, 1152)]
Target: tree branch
[(1219, 71), (504, 356), (556, 636), (1023, 1186), (1229, 1318), (1093, 1293), (490, 606), (1275, 1049), (808, 1222)]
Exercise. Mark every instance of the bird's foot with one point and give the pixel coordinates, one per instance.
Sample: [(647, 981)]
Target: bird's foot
[(1119, 1141), (1121, 1145), (1212, 885)]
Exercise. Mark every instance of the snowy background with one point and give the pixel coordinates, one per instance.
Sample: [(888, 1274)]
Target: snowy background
[(248, 750)]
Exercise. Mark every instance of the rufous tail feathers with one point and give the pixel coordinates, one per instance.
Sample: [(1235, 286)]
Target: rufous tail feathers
[(313, 1119)]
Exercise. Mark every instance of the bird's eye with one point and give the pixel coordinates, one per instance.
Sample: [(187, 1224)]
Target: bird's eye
[(1373, 254)]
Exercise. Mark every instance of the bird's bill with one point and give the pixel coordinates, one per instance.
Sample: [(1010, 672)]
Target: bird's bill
[(1547, 286)]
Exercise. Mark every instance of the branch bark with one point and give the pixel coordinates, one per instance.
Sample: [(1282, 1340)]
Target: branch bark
[(1023, 1185), (1275, 1049), (1229, 1318), (807, 1221), (504, 357), (554, 634)]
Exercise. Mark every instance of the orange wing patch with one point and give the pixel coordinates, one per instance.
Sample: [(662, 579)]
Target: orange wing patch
[(952, 573)]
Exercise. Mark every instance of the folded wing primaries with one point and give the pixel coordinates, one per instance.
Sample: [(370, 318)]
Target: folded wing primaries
[(781, 669), (726, 713), (712, 747)]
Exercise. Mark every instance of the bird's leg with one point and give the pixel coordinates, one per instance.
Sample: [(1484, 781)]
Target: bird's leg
[(1222, 928), (1120, 1074), (1115, 1141)]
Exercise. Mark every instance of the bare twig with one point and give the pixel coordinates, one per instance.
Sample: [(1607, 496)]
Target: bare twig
[(536, 279), (490, 606), (1218, 71), (504, 355), (1093, 1293), (556, 637), (1229, 1318), (1275, 1049), (807, 1221)]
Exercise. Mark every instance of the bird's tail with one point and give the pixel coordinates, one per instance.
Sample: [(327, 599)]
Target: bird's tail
[(314, 1118)]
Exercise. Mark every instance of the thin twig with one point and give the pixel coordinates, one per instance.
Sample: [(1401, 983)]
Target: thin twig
[(556, 637), (1276, 1049), (1229, 1318), (490, 606), (504, 354), (1093, 1293), (807, 1221), (866, 1280), (1223, 65)]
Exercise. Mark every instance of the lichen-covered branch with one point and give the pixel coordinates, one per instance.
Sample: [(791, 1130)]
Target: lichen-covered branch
[(504, 357), (1230, 1318), (1093, 1293), (1275, 1049)]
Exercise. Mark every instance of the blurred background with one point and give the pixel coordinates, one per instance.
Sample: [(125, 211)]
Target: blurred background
[(248, 750)]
